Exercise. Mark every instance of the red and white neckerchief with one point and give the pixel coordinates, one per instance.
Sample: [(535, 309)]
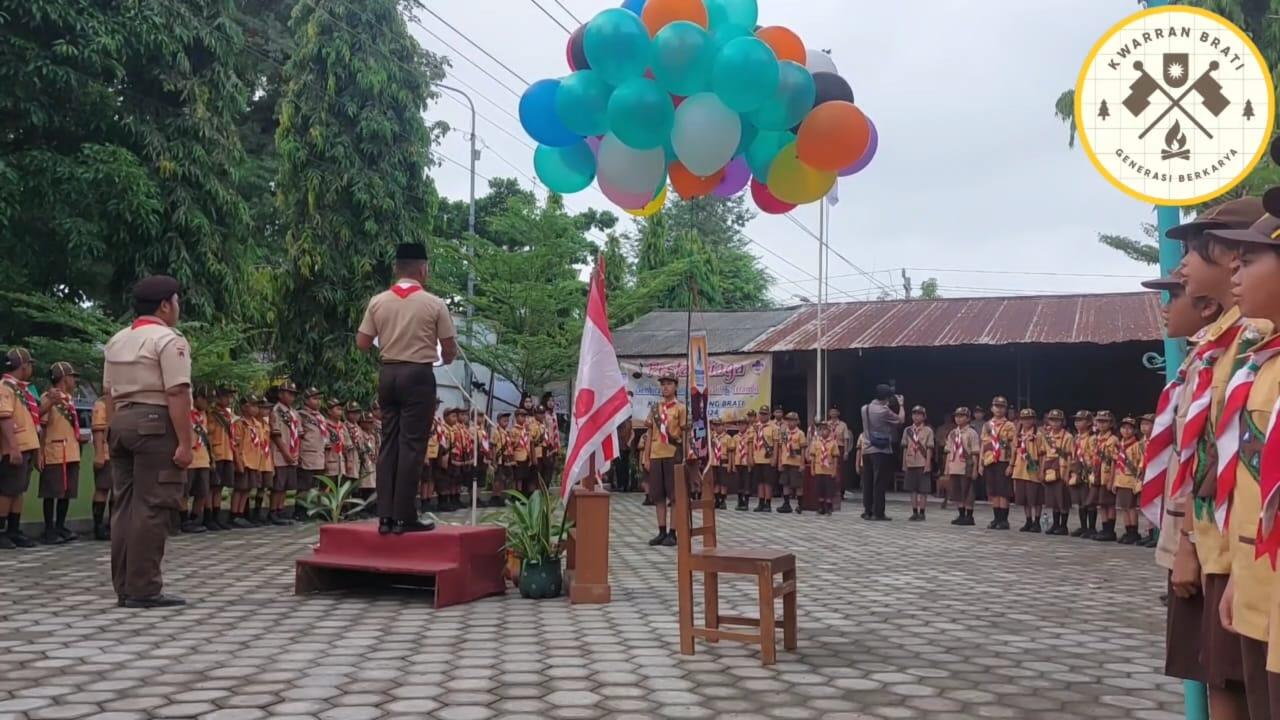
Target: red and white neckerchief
[(19, 389), (335, 436), (1122, 459), (1268, 538), (484, 441), (757, 437), (662, 422), (717, 449), (957, 443), (294, 426), (227, 419), (916, 445), (997, 449), (198, 429), (146, 320), (553, 430), (1228, 431), (524, 438), (405, 288), (1159, 453), (822, 451), (1198, 410)]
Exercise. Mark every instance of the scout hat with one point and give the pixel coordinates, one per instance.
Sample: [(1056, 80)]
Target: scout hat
[(62, 369), (365, 419), (1104, 416), (1238, 214), (333, 403), (793, 416), (1149, 417), (287, 386), (1056, 415), (1128, 420), (1084, 415), (249, 399), (17, 357), (919, 409), (1266, 231), (311, 392), (354, 406), (999, 401), (764, 409), (668, 377), (1172, 281), (503, 414), (962, 411), (411, 251), (1026, 414), (156, 288)]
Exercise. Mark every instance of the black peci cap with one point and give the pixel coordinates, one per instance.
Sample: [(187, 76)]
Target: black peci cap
[(411, 251), (156, 288)]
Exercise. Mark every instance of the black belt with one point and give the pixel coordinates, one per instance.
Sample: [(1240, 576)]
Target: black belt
[(1245, 540), (1175, 513)]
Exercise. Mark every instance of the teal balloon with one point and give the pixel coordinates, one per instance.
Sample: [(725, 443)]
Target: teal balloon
[(617, 45), (683, 54), (722, 35), (583, 103), (565, 169), (764, 149), (640, 114), (737, 13), (790, 103), (706, 134), (749, 134), (745, 74)]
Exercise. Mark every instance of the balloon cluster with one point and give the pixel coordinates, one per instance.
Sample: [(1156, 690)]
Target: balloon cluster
[(695, 94)]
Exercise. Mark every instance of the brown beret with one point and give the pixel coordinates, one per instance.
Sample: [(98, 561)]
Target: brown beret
[(156, 288)]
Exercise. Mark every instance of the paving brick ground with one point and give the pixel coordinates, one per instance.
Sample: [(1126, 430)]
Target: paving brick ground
[(897, 620)]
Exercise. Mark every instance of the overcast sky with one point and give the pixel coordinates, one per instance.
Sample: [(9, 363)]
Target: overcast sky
[(973, 171)]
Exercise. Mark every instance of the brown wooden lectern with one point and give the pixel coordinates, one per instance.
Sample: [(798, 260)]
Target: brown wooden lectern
[(588, 549)]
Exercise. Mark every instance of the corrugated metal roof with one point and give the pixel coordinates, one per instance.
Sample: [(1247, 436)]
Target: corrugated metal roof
[(1099, 319), (665, 332)]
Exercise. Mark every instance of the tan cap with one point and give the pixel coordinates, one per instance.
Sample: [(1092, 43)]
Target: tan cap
[(1056, 415), (1104, 416), (1234, 214), (17, 357), (1084, 415), (62, 369), (1026, 414), (962, 411)]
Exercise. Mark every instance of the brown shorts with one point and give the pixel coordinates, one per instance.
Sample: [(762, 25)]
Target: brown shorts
[(1273, 681), (792, 478), (15, 479), (740, 480), (1056, 496), (999, 485), (1183, 636), (916, 481), (246, 480), (306, 481), (662, 479), (1106, 498), (1257, 691), (1125, 499), (1220, 652), (285, 478), (763, 475), (1028, 493), (1077, 495), (61, 481), (102, 478), (198, 483), (223, 475), (961, 490)]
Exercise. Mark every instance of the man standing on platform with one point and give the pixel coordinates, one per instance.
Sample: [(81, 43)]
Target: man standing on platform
[(407, 321)]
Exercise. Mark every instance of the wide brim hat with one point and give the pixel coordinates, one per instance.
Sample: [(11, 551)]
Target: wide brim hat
[(1231, 215), (962, 411), (1056, 415), (1026, 414)]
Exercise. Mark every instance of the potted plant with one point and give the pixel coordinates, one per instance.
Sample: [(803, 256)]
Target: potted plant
[(536, 527), (334, 500)]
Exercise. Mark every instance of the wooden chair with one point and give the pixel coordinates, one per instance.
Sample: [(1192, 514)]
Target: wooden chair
[(712, 561)]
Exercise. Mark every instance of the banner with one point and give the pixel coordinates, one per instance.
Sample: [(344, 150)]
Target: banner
[(736, 384), (697, 381)]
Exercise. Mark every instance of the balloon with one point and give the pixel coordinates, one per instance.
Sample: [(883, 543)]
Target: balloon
[(867, 156), (745, 74), (582, 102), (705, 134), (765, 148), (658, 14), (654, 205), (617, 45), (635, 6), (817, 61), (578, 55), (736, 13), (749, 134), (766, 201), (624, 199), (720, 36), (833, 137), (831, 87), (565, 169), (539, 117), (682, 57), (791, 101), (785, 44), (792, 181), (691, 186), (594, 143), (736, 176), (629, 170), (640, 114)]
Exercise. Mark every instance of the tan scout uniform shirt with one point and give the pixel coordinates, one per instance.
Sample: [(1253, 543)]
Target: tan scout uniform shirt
[(200, 458), (1058, 448), (1254, 580), (61, 440), (998, 437), (407, 328), (262, 430), (825, 455), (143, 363), (1174, 510), (676, 419), (14, 405), (220, 434), (742, 448), (1028, 451), (917, 446), (1082, 461), (796, 442), (351, 454), (1129, 465), (244, 431), (962, 451), (765, 444), (287, 427), (719, 454), (1106, 448), (314, 436), (100, 425)]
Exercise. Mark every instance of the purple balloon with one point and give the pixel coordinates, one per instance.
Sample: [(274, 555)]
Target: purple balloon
[(736, 176), (867, 156)]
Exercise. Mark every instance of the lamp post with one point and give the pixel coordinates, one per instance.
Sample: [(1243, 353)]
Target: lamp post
[(471, 229)]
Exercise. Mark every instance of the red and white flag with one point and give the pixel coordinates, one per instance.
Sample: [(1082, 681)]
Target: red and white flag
[(600, 402)]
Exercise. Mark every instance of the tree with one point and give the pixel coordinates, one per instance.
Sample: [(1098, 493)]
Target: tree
[(929, 290), (354, 150), (1145, 252)]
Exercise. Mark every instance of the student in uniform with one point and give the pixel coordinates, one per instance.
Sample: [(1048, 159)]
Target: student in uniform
[(503, 461), (742, 462), (963, 454), (266, 468), (942, 481), (998, 436), (336, 441), (101, 471), (667, 425), (1128, 479), (311, 450), (459, 459), (19, 443), (824, 458), (286, 449), (917, 456), (1106, 453), (1058, 449), (60, 477), (222, 451), (351, 457), (368, 456), (537, 448), (764, 463), (1080, 476), (1146, 424), (521, 453), (1028, 454), (437, 449), (484, 453), (720, 461), (779, 421), (244, 430), (791, 463), (197, 480)]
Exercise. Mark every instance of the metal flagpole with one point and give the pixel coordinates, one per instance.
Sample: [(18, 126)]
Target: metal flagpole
[(820, 381)]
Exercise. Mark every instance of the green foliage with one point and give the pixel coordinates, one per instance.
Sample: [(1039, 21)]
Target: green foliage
[(536, 524), (334, 500), (1144, 251), (929, 290), (1065, 110)]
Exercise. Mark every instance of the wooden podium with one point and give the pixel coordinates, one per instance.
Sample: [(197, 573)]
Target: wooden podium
[(588, 548)]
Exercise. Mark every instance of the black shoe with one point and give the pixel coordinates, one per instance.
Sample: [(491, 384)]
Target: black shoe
[(6, 543), (1078, 532), (759, 507), (1026, 526), (993, 525), (192, 527), (1129, 538), (865, 516), (21, 540), (786, 507), (156, 601), (101, 533), (1105, 536), (1150, 541), (279, 520), (120, 601), (212, 525), (882, 518), (958, 520), (51, 537), (968, 521), (670, 539), (413, 526), (242, 523), (1035, 527), (799, 510), (385, 526), (743, 505), (68, 534), (648, 502), (658, 539), (1003, 525)]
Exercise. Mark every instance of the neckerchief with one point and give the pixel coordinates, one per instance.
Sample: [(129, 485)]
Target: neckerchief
[(914, 435), (1123, 464), (335, 436), (1268, 539), (1198, 410), (957, 444), (21, 391), (224, 418), (146, 320), (405, 288), (1229, 431), (1159, 451), (62, 404), (198, 429), (1024, 450), (293, 425), (997, 444), (662, 421)]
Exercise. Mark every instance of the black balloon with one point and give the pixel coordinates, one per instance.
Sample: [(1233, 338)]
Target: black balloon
[(831, 87), (1275, 150), (1271, 201), (576, 51)]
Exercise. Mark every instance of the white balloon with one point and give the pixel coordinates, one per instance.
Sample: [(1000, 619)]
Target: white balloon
[(705, 134), (818, 61), (629, 170)]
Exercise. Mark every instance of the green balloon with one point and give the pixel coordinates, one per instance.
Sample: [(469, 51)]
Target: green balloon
[(764, 149), (745, 74), (790, 103), (582, 102), (565, 169), (641, 114), (617, 45), (749, 133), (682, 57)]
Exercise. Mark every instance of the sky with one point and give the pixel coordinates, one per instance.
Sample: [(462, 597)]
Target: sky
[(973, 184)]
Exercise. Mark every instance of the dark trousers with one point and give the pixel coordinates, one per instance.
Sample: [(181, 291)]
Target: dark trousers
[(622, 472), (877, 474), (147, 488), (407, 395)]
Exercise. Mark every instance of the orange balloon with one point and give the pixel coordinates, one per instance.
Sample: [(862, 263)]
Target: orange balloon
[(691, 186), (785, 44), (658, 14), (834, 136)]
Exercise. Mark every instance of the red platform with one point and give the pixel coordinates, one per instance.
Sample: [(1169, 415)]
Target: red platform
[(460, 563)]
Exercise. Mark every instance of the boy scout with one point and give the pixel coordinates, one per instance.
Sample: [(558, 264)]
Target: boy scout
[(60, 477), (1080, 476), (335, 449), (824, 457), (311, 450), (840, 433), (437, 449), (1028, 455), (503, 461), (20, 443), (197, 481), (917, 455), (521, 447), (368, 459), (351, 457), (222, 449), (664, 449), (1146, 424), (147, 375), (1058, 449), (742, 462), (263, 509), (244, 431), (998, 435), (764, 467), (460, 461), (720, 461), (1127, 479), (1105, 452), (791, 463), (286, 449), (963, 451), (101, 471)]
